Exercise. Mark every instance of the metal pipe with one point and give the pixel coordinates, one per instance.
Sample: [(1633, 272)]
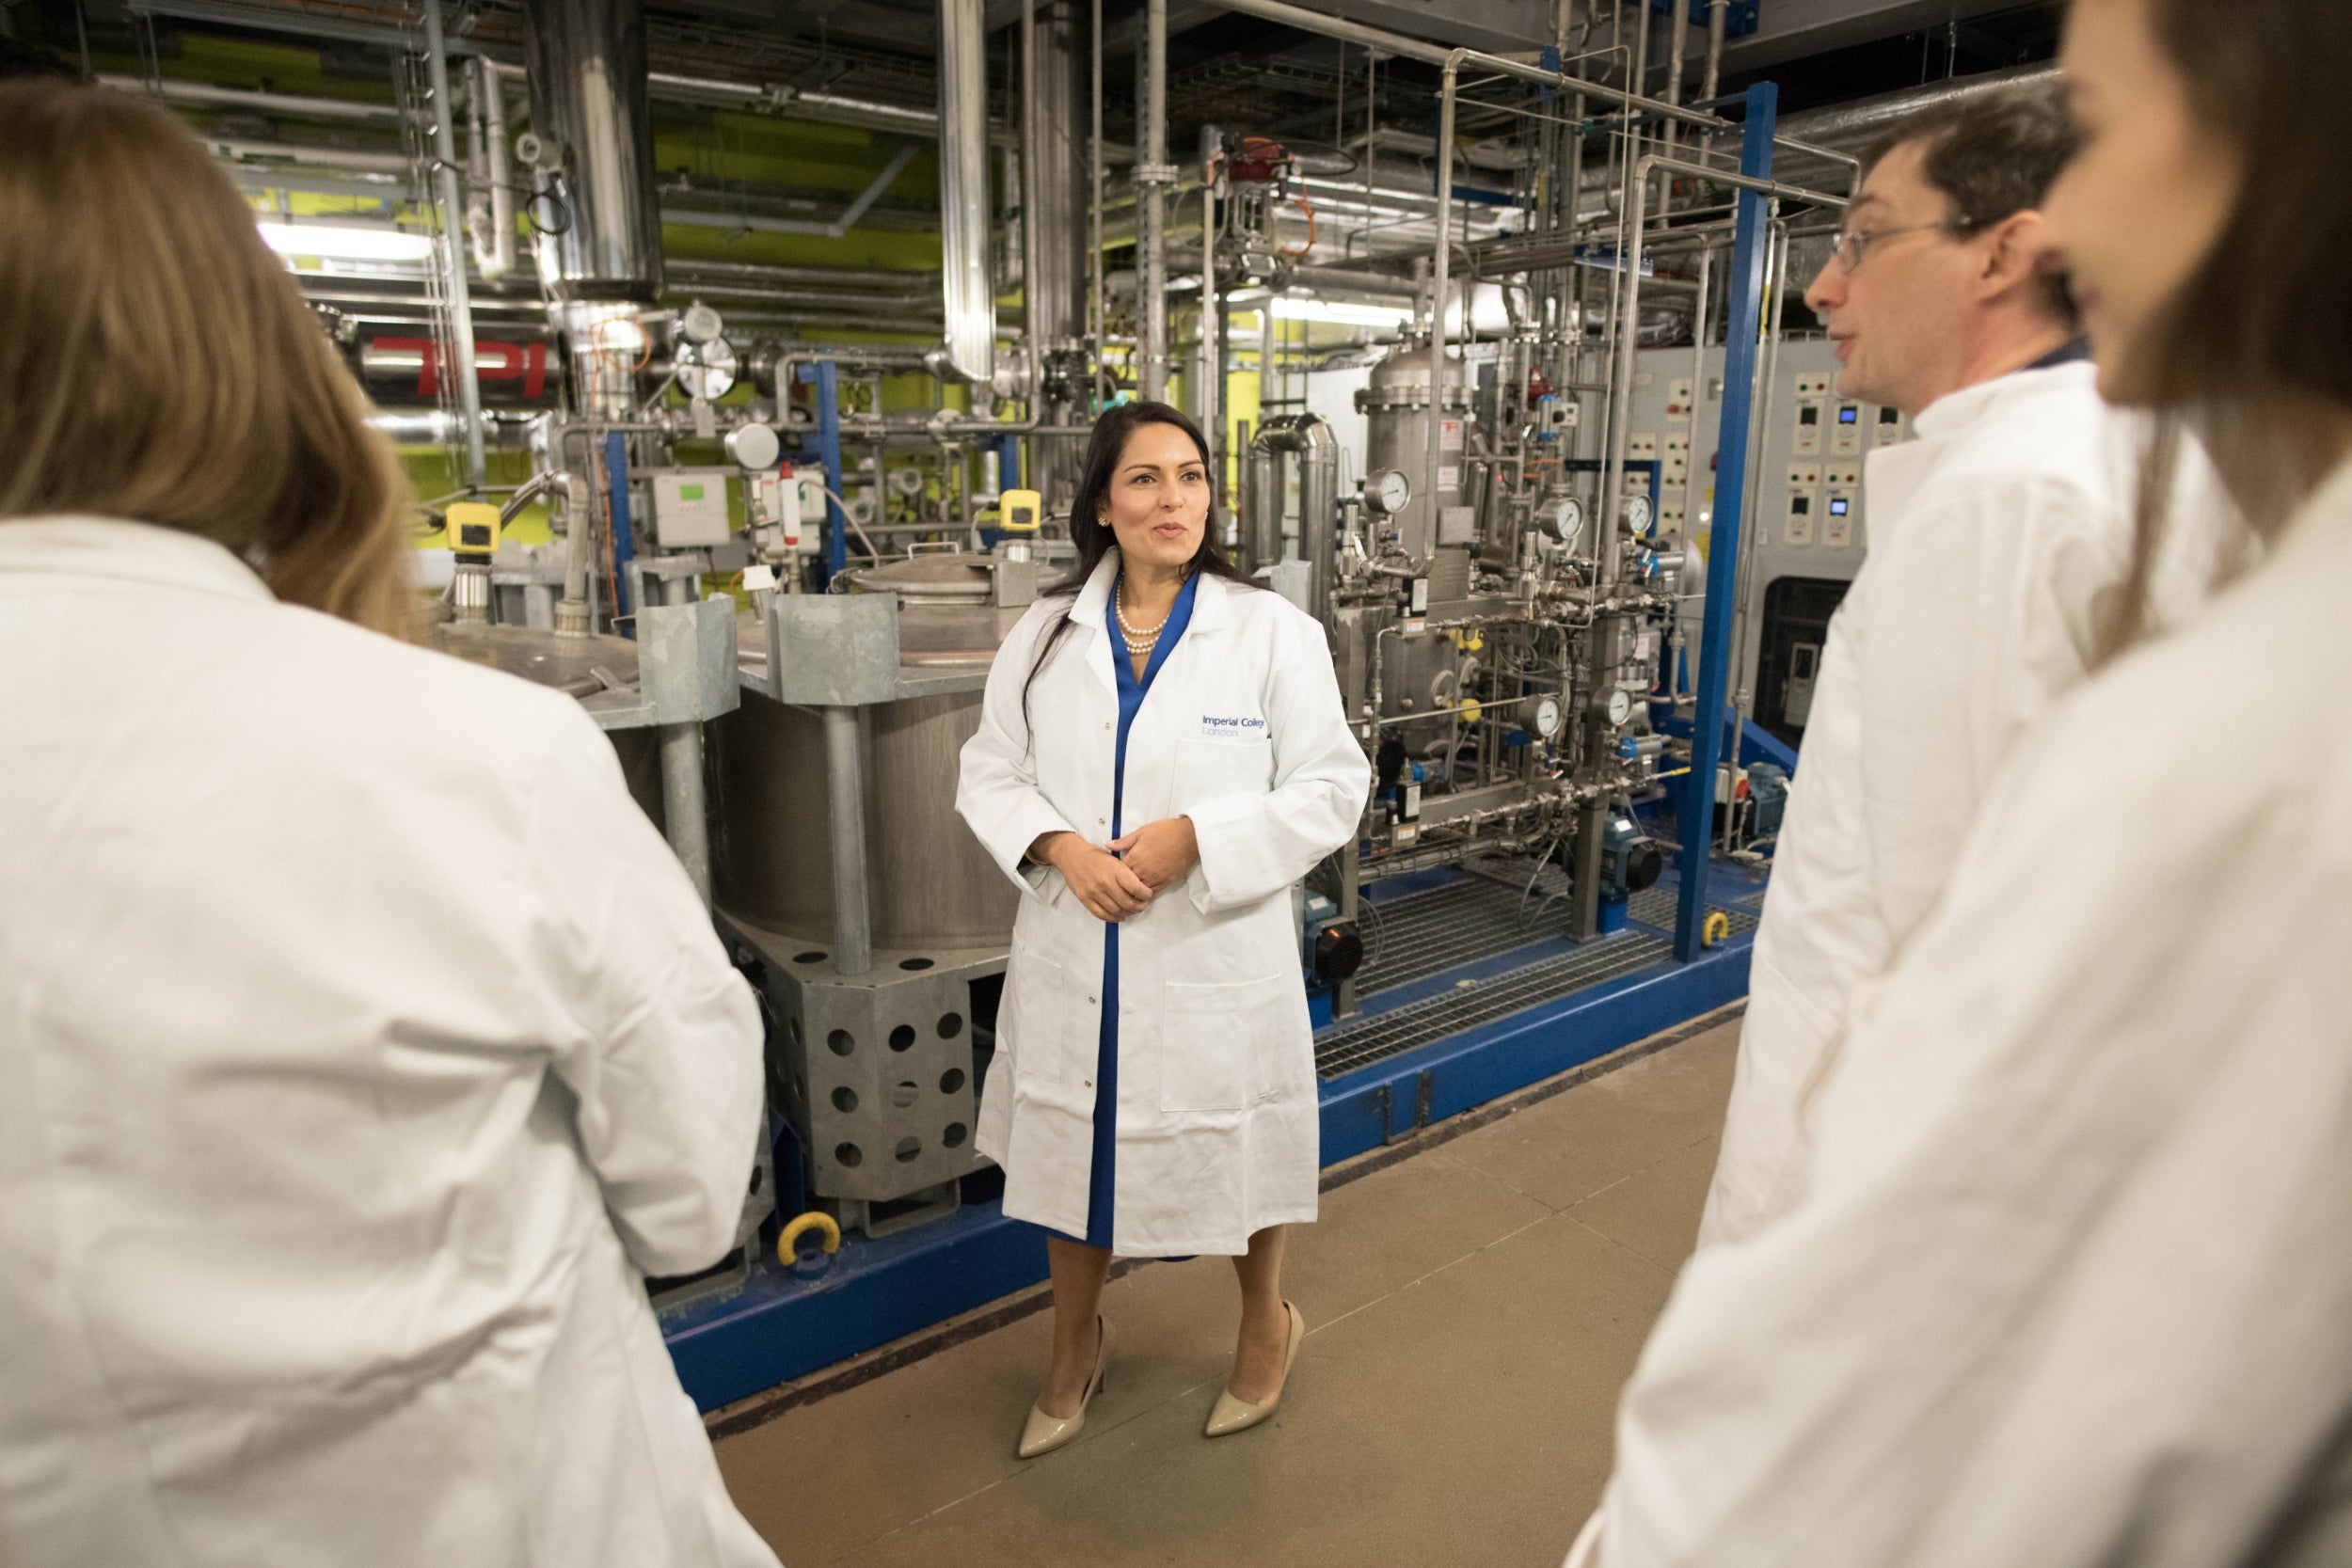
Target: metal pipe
[(685, 812), (1211, 399), (588, 103), (1440, 267), (1094, 248), (1436, 54), (490, 216), (1717, 12), (1156, 176), (969, 297), (251, 101), (453, 249), (845, 812)]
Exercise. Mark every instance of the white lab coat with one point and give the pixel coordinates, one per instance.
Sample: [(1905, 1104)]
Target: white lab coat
[(1998, 542), (2071, 1284), (1243, 731), (361, 1046)]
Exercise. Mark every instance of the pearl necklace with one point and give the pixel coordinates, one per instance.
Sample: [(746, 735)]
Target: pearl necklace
[(1138, 640)]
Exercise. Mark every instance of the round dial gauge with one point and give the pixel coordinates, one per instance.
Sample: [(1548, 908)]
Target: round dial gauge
[(1620, 705), (709, 370), (1388, 492), (1564, 519), (1547, 717), (1637, 514), (700, 324)]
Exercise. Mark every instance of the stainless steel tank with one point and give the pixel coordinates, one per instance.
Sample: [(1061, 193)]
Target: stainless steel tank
[(1398, 405), (932, 885)]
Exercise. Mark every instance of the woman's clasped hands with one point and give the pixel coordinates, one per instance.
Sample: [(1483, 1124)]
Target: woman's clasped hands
[(1120, 880)]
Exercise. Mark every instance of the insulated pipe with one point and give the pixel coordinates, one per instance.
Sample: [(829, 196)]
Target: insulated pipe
[(685, 812), (453, 247), (969, 297), (845, 815), (1309, 439), (1209, 400), (490, 217), (588, 103), (1156, 175), (1717, 10)]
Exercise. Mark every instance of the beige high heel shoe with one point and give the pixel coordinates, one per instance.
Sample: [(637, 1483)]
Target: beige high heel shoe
[(1231, 1415), (1044, 1433)]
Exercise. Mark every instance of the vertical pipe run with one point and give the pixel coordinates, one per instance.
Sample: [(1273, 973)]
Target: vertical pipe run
[(490, 217), (454, 246), (1716, 13), (1442, 267), (1156, 176), (1094, 248), (1740, 363), (845, 815), (969, 298), (685, 814), (1209, 399)]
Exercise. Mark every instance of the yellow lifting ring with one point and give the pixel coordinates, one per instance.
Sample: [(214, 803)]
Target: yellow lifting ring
[(1717, 926), (786, 1253)]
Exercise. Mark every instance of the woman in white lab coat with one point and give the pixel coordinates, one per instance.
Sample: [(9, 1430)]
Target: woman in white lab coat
[(1162, 753), (2070, 1283), (361, 1046)]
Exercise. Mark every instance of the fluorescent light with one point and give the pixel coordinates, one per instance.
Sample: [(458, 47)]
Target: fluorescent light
[(1342, 313), (345, 241)]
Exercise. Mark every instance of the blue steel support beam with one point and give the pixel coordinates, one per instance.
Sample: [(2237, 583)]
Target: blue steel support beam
[(827, 379), (1731, 494), (624, 539)]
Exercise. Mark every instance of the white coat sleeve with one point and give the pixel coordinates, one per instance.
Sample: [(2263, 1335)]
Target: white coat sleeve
[(2069, 1287), (1983, 613), (996, 788), (1255, 845), (664, 1058)]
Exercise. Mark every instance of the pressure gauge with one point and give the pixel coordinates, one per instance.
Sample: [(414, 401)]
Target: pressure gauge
[(1562, 519), (1620, 705), (1547, 718), (1388, 492), (1637, 514), (907, 480), (700, 324), (705, 371)]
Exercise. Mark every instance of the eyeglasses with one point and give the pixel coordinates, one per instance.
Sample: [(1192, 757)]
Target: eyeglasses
[(1855, 244)]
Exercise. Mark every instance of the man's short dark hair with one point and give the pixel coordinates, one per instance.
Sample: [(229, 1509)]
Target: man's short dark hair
[(1994, 154)]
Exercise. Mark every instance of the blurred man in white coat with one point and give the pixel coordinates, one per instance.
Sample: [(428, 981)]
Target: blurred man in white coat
[(1998, 540)]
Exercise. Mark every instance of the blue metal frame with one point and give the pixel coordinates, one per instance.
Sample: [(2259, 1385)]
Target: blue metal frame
[(826, 377), (624, 536), (1731, 494)]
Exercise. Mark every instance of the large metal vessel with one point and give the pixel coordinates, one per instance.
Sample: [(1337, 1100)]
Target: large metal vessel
[(1398, 404)]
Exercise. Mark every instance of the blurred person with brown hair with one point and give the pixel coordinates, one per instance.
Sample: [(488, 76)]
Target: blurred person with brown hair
[(362, 1046), (2069, 1285)]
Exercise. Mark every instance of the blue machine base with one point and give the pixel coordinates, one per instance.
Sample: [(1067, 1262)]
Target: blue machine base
[(780, 1326)]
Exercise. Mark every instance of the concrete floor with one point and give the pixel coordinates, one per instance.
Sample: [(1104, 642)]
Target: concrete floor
[(1471, 1309)]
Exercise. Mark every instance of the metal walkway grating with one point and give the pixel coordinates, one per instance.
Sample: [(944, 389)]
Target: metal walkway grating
[(1359, 1041), (1461, 923)]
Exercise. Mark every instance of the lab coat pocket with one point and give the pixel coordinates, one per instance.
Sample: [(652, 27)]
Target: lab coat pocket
[(1218, 1041), (1211, 769), (1055, 1020)]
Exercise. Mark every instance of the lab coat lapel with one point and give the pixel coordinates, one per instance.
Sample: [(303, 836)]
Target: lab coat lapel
[(1094, 604)]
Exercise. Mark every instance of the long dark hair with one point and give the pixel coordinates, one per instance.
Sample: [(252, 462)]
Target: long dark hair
[(2259, 340), (1095, 538)]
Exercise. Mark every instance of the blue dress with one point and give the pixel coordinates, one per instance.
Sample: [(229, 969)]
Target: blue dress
[(1101, 1180)]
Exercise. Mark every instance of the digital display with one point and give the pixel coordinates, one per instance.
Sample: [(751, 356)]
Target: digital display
[(1849, 414), (1809, 415), (1800, 505), (690, 492), (1890, 416), (1837, 506)]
